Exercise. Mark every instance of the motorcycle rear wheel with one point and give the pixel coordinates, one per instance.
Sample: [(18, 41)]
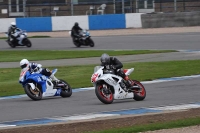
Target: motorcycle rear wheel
[(102, 97), (33, 94), (77, 44), (11, 44), (141, 94), (67, 91)]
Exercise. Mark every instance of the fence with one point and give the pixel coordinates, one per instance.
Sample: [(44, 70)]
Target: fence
[(48, 8), (177, 5)]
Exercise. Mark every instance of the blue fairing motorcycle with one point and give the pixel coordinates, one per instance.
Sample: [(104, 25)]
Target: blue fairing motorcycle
[(37, 85), (83, 39)]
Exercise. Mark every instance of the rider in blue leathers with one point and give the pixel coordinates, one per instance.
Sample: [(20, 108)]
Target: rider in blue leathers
[(37, 68)]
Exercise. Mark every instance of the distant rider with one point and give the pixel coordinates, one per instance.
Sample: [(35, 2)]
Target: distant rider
[(75, 31), (37, 68), (11, 33), (113, 63)]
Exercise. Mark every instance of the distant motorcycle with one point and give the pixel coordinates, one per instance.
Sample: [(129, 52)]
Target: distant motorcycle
[(109, 86), (22, 36), (37, 85), (84, 39)]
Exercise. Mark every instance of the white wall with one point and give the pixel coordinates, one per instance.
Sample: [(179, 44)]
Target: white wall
[(66, 22), (5, 23), (133, 20), (146, 10)]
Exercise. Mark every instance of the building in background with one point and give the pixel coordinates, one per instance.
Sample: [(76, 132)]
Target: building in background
[(44, 8)]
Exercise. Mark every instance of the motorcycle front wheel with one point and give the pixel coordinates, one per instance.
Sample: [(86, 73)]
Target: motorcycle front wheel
[(35, 94), (91, 42), (27, 42), (104, 98)]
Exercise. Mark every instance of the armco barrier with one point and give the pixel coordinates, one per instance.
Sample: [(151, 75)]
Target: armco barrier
[(36, 24), (58, 23), (113, 21), (178, 19), (66, 22)]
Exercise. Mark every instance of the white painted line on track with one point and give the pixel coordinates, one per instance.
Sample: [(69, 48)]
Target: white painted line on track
[(177, 107), (4, 125), (84, 117)]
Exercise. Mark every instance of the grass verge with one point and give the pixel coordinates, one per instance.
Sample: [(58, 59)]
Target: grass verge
[(79, 76), (155, 126), (10, 56)]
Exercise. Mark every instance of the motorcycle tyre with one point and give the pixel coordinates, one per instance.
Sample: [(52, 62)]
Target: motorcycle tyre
[(77, 44), (139, 97), (30, 95), (91, 42), (11, 45), (27, 43), (65, 93), (99, 96)]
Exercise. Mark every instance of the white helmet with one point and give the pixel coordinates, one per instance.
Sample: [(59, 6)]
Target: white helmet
[(13, 25), (24, 63)]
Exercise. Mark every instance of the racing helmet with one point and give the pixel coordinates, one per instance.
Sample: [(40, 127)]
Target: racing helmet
[(13, 25), (76, 24), (24, 63), (105, 59), (33, 67)]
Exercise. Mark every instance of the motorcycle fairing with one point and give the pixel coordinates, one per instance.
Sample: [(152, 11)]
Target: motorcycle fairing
[(119, 93), (45, 82)]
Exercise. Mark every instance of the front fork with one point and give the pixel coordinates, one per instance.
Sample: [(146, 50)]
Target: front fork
[(106, 90)]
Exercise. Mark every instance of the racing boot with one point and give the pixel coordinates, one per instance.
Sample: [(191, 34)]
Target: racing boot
[(128, 83), (20, 42), (54, 80)]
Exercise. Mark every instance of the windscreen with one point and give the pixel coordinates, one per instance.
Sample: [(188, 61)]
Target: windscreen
[(96, 68)]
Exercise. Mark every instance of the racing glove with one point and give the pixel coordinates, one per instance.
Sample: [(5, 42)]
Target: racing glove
[(112, 67)]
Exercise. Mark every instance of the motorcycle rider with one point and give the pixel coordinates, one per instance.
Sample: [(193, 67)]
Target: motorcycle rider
[(114, 63), (37, 68), (11, 31), (75, 31)]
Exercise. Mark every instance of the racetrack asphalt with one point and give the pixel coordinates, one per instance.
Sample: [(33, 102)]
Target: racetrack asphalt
[(158, 94)]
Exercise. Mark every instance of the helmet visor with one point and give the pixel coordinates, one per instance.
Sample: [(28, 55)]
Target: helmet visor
[(105, 62), (23, 66)]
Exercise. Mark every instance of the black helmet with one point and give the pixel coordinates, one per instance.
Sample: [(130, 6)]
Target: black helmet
[(76, 24), (105, 59)]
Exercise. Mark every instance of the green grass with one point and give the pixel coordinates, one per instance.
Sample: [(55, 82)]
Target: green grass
[(155, 126), (79, 76), (39, 37), (30, 37), (11, 56)]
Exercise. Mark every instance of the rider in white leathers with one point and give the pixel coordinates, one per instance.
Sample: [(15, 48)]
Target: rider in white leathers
[(11, 33)]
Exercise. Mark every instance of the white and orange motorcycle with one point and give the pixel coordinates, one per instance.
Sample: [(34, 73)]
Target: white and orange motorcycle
[(109, 86)]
